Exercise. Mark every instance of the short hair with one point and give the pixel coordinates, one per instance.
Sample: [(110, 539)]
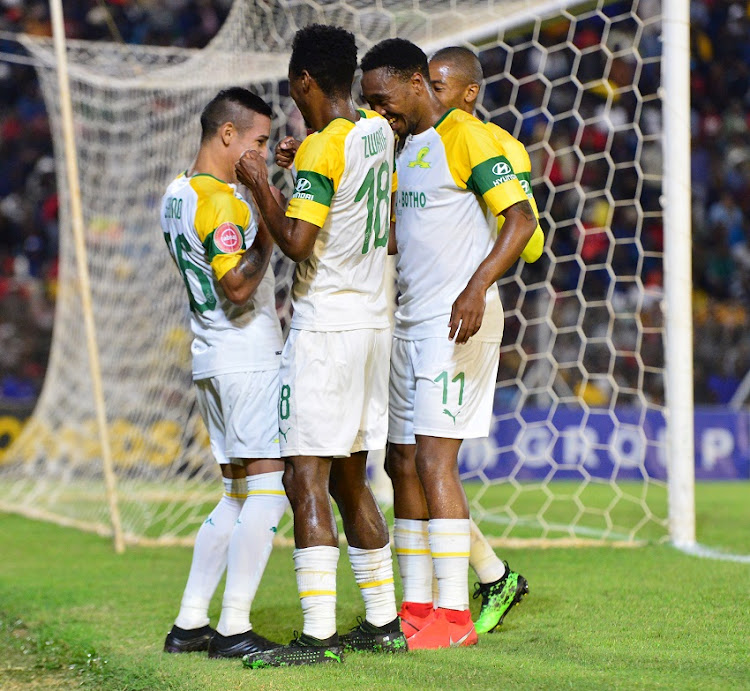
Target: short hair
[(399, 56), (465, 61), (329, 54), (224, 108)]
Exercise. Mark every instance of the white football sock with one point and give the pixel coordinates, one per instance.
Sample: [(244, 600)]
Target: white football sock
[(210, 556), (249, 549), (373, 571), (488, 566), (450, 544), (316, 583), (412, 544)]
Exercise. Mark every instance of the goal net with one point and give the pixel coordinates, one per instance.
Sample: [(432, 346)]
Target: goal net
[(577, 448)]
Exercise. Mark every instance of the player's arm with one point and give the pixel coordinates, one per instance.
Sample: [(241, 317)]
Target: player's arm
[(468, 309), (294, 236), (481, 164), (535, 246), (518, 157), (241, 281)]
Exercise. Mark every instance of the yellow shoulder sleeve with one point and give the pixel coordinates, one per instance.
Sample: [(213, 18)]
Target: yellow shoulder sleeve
[(320, 165), (521, 163), (477, 161), (220, 222)]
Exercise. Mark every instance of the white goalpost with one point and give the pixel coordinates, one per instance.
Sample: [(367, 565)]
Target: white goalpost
[(592, 441), (76, 217), (678, 272)]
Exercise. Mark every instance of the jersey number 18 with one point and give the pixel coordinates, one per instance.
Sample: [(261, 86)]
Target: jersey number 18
[(377, 187)]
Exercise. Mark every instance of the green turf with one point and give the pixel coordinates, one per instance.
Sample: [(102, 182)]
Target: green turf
[(561, 509), (72, 613)]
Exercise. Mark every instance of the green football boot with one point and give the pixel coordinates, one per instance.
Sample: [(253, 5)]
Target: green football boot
[(498, 598)]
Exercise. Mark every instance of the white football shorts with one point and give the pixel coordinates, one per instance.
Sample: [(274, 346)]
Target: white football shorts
[(333, 396), (439, 388), (240, 411)]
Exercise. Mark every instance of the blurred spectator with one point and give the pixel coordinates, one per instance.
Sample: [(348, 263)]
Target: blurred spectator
[(28, 194), (586, 223)]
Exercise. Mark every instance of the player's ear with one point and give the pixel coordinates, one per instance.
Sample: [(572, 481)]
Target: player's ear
[(471, 93), (306, 80), (418, 83), (226, 132)]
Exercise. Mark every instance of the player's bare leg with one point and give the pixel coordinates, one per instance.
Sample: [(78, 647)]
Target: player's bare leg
[(408, 496), (249, 549), (409, 504), (449, 537), (191, 630), (306, 480), (437, 467), (370, 556), (364, 523)]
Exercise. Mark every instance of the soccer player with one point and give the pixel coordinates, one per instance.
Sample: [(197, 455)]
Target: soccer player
[(223, 255), (449, 325), (456, 78), (334, 368)]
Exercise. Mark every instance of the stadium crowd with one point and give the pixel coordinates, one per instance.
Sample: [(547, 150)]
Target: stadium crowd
[(28, 195), (720, 123)]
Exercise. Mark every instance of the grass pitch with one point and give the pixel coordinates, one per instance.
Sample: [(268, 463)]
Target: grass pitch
[(75, 615)]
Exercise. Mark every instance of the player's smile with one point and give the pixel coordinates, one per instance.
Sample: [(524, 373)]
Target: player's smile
[(388, 96), (397, 123)]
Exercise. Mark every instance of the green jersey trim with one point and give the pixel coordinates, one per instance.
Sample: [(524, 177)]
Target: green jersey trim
[(313, 187), (490, 173), (208, 175), (212, 250), (442, 117), (525, 180)]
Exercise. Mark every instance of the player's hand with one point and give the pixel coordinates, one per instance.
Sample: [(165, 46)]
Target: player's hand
[(285, 152), (251, 170), (467, 313)]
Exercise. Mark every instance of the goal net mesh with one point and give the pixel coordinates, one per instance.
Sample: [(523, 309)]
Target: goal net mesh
[(577, 446)]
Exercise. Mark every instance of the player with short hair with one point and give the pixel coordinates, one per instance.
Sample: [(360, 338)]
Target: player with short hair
[(456, 78), (223, 255), (334, 369), (442, 383)]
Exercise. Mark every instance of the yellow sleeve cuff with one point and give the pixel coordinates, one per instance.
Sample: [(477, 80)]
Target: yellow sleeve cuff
[(223, 263), (307, 210), (499, 198)]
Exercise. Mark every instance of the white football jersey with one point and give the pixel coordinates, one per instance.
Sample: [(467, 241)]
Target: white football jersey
[(207, 227), (344, 185), (448, 176)]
